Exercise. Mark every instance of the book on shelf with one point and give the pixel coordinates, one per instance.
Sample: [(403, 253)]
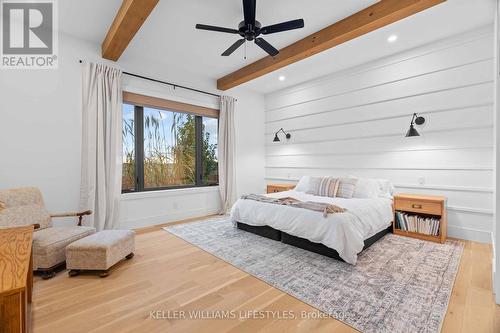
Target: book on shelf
[(417, 223)]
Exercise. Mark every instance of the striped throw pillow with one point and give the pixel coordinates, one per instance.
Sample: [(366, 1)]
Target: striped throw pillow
[(323, 186), (347, 186)]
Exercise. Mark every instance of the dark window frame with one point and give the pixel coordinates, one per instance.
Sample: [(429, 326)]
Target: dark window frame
[(139, 153)]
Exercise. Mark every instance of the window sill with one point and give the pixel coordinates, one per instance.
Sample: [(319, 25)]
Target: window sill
[(168, 193)]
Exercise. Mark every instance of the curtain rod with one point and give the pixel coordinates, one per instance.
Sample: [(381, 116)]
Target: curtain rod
[(169, 83)]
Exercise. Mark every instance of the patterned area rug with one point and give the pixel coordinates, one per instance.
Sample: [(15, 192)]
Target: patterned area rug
[(399, 284)]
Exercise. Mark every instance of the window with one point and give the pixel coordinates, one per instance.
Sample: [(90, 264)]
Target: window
[(210, 169), (165, 148), (128, 134)]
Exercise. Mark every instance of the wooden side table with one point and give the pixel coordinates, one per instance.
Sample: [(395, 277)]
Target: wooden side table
[(422, 206), (16, 279), (275, 188)]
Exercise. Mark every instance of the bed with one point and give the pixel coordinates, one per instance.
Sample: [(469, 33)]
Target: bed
[(341, 236)]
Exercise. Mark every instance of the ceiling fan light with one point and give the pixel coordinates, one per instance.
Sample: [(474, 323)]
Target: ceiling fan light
[(250, 29)]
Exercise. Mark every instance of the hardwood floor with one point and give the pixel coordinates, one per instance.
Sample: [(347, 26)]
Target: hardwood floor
[(168, 274)]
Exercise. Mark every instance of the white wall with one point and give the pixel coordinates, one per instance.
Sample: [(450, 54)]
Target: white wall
[(250, 150), (354, 122), (40, 130)]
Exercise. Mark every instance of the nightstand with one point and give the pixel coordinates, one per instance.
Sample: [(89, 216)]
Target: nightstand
[(275, 188), (420, 216)]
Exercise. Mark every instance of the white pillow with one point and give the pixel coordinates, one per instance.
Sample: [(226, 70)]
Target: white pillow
[(386, 188), (373, 188), (367, 188), (303, 184)]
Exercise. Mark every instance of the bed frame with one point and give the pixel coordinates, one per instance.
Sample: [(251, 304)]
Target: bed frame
[(271, 233)]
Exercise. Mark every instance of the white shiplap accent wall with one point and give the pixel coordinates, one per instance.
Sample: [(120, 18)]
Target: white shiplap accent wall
[(353, 123)]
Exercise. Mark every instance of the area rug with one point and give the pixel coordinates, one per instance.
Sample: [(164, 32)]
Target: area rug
[(399, 284)]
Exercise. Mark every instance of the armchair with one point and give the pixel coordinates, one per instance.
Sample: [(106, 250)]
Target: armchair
[(25, 206)]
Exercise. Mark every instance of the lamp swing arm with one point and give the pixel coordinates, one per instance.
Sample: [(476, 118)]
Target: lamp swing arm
[(413, 119), (281, 130)]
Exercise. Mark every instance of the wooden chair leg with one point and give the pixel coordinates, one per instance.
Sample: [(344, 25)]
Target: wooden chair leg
[(48, 274), (73, 272), (104, 273)]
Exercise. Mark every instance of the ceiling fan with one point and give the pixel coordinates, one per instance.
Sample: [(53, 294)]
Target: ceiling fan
[(250, 29)]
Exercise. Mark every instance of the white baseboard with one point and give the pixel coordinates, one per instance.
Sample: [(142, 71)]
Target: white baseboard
[(481, 236), (166, 218)]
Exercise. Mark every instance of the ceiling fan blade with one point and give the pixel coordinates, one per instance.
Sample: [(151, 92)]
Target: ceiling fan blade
[(233, 47), (214, 28), (284, 26), (249, 7), (266, 46)]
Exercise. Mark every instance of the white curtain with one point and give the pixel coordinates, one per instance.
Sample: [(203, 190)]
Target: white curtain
[(101, 144), (226, 147)]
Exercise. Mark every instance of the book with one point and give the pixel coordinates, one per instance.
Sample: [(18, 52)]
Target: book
[(417, 223)]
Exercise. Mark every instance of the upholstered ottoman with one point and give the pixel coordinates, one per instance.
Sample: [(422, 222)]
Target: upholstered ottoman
[(100, 251)]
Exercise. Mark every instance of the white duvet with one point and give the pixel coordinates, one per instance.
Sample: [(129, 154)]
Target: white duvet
[(343, 232)]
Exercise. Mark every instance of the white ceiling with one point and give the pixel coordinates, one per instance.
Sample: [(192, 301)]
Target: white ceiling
[(168, 36)]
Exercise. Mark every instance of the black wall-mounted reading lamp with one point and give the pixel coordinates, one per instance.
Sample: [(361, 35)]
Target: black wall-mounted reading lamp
[(415, 120), (287, 135)]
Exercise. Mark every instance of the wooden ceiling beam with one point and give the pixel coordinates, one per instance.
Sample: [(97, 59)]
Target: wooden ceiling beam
[(369, 19), (129, 19)]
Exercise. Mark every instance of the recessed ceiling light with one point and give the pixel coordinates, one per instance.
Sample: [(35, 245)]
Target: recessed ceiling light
[(281, 78), (392, 38)]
